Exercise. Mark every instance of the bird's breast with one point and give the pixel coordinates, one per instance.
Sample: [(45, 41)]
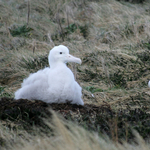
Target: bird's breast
[(60, 76)]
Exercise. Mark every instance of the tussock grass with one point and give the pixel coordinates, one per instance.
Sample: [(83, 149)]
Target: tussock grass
[(112, 39), (115, 54), (65, 136)]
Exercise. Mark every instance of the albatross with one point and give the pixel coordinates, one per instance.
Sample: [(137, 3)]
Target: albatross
[(54, 84), (149, 83)]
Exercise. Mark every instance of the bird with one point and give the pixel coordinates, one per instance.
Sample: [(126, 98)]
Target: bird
[(149, 83), (53, 84)]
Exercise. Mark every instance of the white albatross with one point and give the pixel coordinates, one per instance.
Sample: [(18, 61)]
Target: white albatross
[(149, 83), (54, 84)]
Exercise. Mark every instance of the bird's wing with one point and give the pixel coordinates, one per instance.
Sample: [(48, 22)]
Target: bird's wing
[(41, 75)]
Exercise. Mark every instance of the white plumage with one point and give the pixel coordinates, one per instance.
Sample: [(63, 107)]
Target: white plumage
[(148, 83), (55, 84)]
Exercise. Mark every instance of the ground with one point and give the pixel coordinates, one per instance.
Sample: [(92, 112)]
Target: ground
[(112, 38), (102, 119)]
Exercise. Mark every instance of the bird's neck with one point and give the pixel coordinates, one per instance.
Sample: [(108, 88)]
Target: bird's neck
[(57, 64)]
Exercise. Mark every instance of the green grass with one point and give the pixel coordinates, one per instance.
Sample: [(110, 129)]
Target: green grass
[(92, 89), (3, 93), (1, 89), (23, 30)]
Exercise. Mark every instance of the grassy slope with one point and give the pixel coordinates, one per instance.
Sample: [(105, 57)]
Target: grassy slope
[(111, 38), (67, 136)]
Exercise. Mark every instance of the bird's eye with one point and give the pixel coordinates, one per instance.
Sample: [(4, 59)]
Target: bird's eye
[(60, 52)]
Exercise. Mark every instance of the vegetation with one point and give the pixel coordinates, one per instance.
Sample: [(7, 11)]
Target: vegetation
[(113, 40)]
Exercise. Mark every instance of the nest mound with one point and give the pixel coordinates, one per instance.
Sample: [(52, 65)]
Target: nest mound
[(102, 119)]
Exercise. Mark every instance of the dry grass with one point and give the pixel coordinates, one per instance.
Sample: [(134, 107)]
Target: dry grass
[(116, 45), (115, 30), (112, 39), (66, 136)]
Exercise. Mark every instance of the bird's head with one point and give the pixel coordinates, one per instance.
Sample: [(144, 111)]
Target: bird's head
[(61, 54)]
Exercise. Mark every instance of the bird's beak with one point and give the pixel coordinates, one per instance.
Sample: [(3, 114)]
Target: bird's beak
[(71, 58)]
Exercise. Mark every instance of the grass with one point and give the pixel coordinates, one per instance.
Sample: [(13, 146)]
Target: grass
[(34, 63), (67, 136), (112, 39), (4, 93), (93, 89), (20, 31)]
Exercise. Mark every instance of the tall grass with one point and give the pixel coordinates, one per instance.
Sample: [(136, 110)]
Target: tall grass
[(65, 136), (117, 33)]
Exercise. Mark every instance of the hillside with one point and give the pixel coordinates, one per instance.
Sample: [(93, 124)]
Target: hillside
[(111, 37)]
